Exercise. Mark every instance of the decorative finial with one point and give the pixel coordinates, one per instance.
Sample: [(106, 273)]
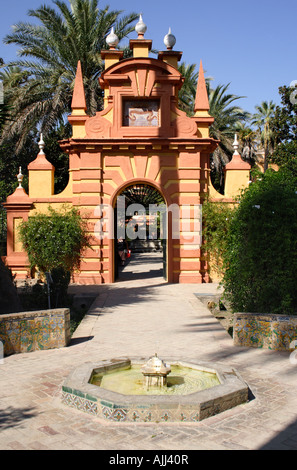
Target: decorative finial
[(141, 27), (41, 145), (112, 39), (236, 145), (169, 40), (20, 178)]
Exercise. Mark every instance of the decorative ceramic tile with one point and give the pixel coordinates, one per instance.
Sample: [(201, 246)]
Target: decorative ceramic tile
[(148, 417), (79, 403), (274, 332), (106, 412), (135, 416), (141, 415), (183, 417), (31, 331), (119, 415), (195, 417), (91, 407), (165, 416)]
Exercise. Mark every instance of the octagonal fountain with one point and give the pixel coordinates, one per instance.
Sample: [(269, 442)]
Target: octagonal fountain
[(134, 390)]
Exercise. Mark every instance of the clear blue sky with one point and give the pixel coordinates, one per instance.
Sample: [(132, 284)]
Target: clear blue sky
[(250, 44)]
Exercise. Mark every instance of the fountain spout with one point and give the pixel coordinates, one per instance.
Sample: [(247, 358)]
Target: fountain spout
[(155, 373)]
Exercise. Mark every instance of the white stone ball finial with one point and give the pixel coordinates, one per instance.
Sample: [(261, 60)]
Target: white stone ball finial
[(41, 145), (20, 178), (236, 145), (112, 39), (141, 27), (169, 40)]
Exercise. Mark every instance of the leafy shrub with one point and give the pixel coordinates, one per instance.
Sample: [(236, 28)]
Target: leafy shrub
[(216, 221), (55, 240), (260, 259)]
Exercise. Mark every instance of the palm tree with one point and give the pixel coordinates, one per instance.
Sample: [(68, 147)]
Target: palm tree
[(227, 117), (4, 115), (16, 79), (262, 119), (226, 113), (187, 93), (49, 54), (3, 106), (248, 141)]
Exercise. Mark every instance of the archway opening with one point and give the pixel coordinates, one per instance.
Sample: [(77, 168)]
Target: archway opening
[(140, 248)]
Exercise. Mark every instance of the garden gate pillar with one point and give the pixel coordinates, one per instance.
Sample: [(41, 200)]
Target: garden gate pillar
[(18, 206)]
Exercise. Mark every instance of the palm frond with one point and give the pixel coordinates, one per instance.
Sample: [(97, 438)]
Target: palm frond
[(39, 85)]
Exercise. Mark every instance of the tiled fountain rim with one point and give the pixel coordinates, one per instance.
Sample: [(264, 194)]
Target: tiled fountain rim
[(231, 383)]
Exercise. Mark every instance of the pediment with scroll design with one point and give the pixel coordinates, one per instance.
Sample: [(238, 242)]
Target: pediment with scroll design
[(185, 127), (142, 80), (98, 127)]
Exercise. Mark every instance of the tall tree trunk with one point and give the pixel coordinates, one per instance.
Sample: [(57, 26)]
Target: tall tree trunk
[(266, 155)]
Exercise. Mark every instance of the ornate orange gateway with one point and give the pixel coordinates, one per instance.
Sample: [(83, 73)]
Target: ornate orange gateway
[(140, 137)]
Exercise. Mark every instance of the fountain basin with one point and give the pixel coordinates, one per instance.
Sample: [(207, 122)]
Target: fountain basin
[(192, 405)]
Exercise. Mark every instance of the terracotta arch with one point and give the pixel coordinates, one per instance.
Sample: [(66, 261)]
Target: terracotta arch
[(164, 193), (168, 202)]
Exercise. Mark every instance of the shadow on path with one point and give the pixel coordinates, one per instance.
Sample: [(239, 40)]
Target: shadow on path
[(285, 440), (13, 417), (141, 266)]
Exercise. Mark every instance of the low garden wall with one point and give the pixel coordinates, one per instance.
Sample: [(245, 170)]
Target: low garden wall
[(266, 331), (31, 331)]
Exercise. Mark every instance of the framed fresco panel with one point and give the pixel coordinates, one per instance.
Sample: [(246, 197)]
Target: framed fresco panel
[(141, 113)]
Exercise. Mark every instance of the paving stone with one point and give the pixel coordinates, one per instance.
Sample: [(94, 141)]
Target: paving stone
[(136, 318), (15, 445), (37, 446)]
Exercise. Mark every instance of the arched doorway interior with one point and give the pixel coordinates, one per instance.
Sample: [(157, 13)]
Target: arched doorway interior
[(140, 218)]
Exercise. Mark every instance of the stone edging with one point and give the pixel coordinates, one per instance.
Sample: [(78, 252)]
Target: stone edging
[(78, 393)]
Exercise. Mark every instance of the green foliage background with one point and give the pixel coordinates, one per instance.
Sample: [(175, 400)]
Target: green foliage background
[(260, 260), (285, 131), (216, 222)]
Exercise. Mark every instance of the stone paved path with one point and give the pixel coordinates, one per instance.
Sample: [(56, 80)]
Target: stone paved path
[(136, 318)]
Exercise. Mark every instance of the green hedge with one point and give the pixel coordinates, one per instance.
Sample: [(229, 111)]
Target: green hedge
[(260, 259)]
